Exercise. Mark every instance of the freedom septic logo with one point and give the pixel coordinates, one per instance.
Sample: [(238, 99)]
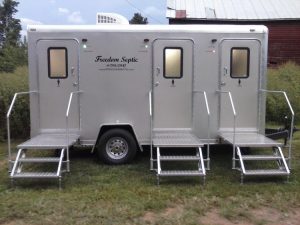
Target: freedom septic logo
[(116, 63)]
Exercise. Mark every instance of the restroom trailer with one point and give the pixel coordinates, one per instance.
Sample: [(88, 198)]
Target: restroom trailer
[(118, 88)]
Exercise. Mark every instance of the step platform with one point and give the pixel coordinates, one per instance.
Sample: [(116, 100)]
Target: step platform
[(49, 141), (249, 140), (175, 139)]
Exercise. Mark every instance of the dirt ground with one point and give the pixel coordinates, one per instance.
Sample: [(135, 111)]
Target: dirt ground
[(266, 216), (261, 216)]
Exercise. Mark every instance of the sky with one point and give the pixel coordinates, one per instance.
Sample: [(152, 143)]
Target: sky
[(84, 11)]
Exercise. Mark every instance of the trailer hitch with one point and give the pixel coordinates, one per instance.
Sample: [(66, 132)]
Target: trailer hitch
[(281, 132)]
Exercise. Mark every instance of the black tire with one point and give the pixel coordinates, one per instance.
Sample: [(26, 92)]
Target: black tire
[(116, 146)]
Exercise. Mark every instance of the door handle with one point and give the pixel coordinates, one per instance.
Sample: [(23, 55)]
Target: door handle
[(157, 71), (225, 71), (72, 71), (223, 84), (156, 84), (75, 84)]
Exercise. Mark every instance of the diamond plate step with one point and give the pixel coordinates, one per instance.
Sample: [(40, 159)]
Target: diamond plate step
[(40, 160), (260, 157), (35, 175), (270, 172), (248, 139), (49, 141), (179, 158), (170, 173), (176, 139)]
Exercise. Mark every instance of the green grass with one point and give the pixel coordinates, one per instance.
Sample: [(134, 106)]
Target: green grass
[(95, 193)]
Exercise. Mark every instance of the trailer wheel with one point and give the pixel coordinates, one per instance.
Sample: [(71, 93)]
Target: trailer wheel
[(117, 146)]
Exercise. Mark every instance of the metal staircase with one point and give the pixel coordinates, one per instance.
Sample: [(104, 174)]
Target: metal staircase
[(181, 140), (280, 168), (38, 160), (246, 139), (30, 161), (175, 145), (277, 156)]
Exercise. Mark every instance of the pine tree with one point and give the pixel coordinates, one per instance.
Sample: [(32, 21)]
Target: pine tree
[(138, 19), (10, 28)]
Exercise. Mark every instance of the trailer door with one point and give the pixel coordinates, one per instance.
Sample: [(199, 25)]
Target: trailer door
[(240, 73), (172, 83), (58, 76)]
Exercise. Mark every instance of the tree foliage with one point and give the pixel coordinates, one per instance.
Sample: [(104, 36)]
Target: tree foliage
[(286, 78), (11, 83), (12, 50), (138, 19)]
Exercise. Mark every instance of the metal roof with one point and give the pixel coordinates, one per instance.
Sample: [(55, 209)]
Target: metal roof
[(234, 9)]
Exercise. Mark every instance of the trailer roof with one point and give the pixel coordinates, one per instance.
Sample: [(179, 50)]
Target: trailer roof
[(254, 10), (150, 28)]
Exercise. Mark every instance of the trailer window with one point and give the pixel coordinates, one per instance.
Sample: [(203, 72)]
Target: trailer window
[(239, 67), (173, 59), (57, 62)]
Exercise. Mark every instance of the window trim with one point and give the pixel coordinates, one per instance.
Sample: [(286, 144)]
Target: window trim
[(248, 61), (181, 63), (66, 60)]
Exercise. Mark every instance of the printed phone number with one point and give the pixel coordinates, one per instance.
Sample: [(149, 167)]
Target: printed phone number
[(116, 65)]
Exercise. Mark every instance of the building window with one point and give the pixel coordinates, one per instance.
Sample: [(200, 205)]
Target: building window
[(173, 62), (240, 59), (57, 62)]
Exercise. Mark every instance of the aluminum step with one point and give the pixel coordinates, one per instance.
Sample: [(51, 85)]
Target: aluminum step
[(170, 173), (40, 160), (266, 172), (49, 141), (248, 139), (173, 138), (179, 158), (35, 175), (260, 157)]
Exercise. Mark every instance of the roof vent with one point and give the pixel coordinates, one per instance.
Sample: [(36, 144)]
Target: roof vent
[(111, 18), (210, 13)]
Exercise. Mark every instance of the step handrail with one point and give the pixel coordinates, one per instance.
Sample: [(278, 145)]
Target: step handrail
[(150, 103), (8, 120), (234, 122), (208, 125), (151, 128), (67, 125), (292, 120)]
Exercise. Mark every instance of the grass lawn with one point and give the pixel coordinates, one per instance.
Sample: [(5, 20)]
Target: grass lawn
[(94, 193)]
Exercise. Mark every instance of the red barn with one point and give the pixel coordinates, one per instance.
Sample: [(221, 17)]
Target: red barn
[(282, 17)]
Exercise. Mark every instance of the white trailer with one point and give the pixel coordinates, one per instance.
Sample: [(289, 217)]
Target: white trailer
[(117, 88)]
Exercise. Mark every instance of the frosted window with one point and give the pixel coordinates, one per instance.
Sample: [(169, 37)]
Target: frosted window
[(240, 62), (173, 62), (57, 62)]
